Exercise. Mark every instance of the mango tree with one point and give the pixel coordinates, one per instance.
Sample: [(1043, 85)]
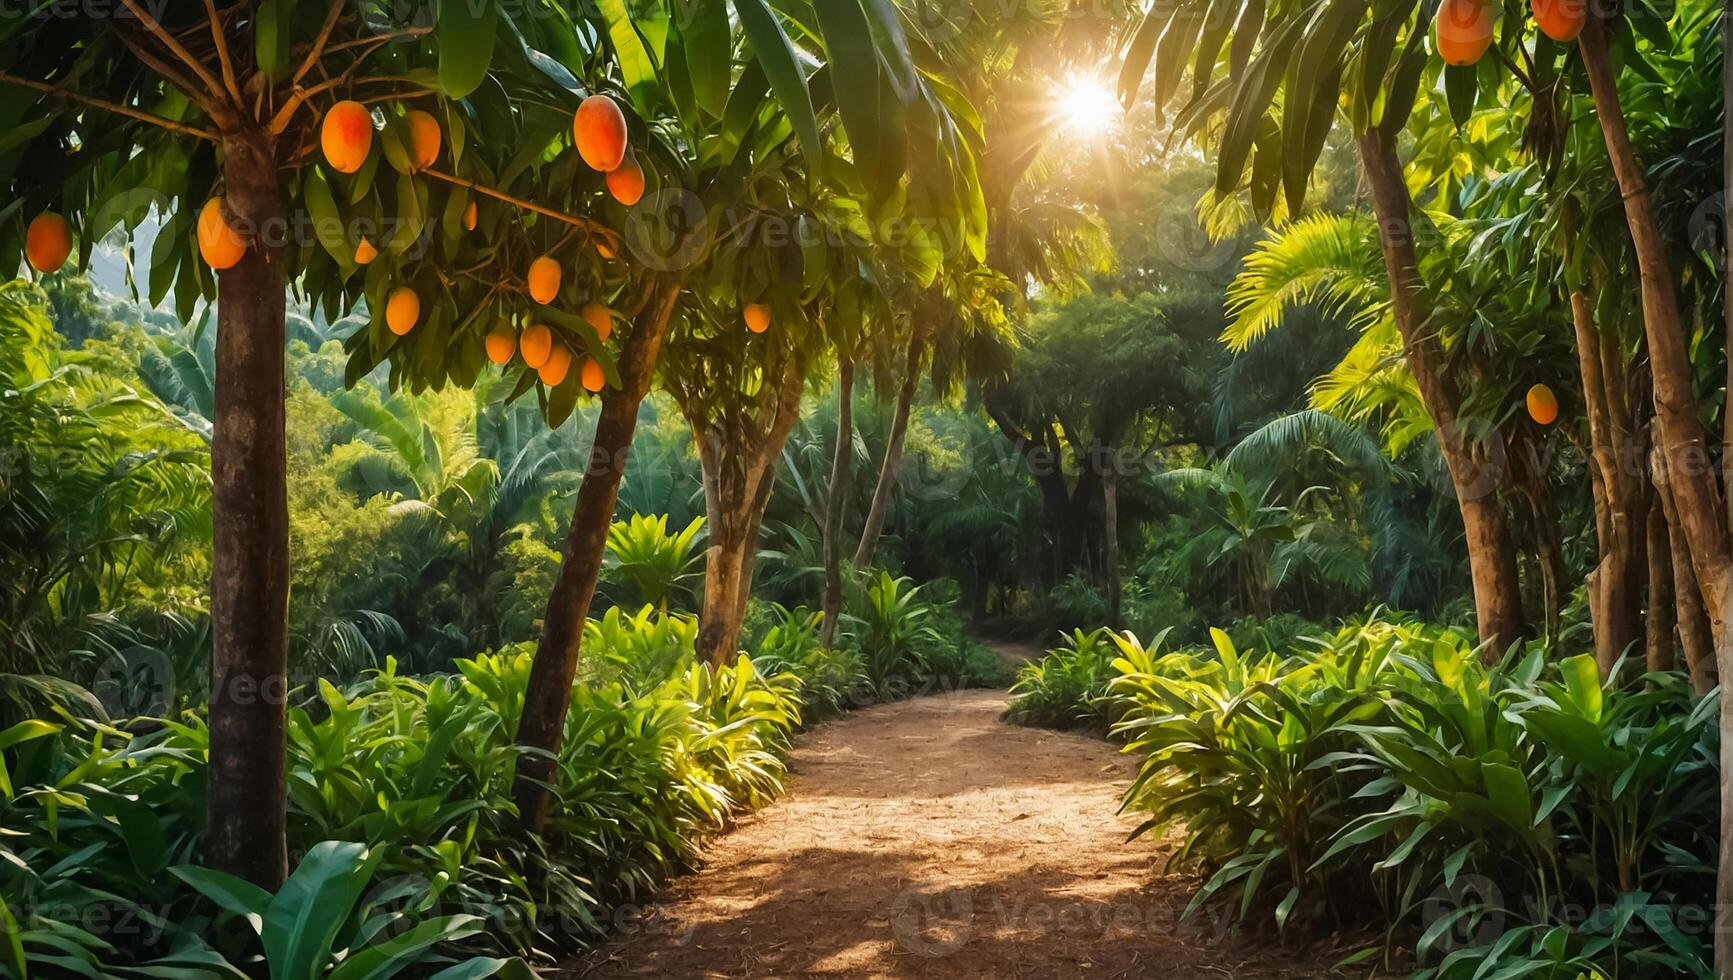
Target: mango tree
[(734, 108), (1241, 58), (334, 150)]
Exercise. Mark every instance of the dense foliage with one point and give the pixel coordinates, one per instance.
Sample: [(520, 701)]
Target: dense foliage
[(1524, 816)]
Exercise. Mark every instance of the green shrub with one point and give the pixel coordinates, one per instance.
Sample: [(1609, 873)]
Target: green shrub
[(1067, 688), (892, 630), (416, 771), (1378, 775), (786, 640)]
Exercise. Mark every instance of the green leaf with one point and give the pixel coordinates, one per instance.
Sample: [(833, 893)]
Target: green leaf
[(1461, 85), (302, 921), (1142, 48), (464, 31), (1582, 677), (1507, 790), (236, 896), (708, 47), (637, 66), (854, 64), (387, 959), (327, 220), (273, 38), (775, 54)]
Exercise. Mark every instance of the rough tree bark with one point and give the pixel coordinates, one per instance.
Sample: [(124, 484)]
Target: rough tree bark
[(556, 659), (1691, 619), (834, 499), (1615, 585), (738, 461), (1702, 513), (245, 801), (1697, 499), (887, 482), (1658, 622), (1491, 555)]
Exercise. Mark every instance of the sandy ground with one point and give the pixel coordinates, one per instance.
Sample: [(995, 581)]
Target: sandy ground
[(929, 839)]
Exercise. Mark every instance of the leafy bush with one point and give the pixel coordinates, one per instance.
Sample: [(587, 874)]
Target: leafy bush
[(1391, 771), (786, 640), (1067, 688), (892, 630), (649, 565), (416, 773), (1076, 603)]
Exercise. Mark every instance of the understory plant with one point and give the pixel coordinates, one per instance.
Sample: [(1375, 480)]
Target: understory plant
[(402, 781), (1518, 818), (1068, 687)]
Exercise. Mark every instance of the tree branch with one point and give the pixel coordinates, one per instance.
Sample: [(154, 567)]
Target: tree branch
[(219, 113), (114, 107), (385, 38), (222, 46), (331, 15), (176, 48), (280, 121), (591, 226)]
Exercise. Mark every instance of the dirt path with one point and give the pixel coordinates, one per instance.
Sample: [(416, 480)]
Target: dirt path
[(928, 839)]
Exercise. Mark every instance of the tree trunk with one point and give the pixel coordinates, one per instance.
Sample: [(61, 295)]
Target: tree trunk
[(1692, 620), (1491, 555), (1695, 495), (1658, 623), (1727, 250), (556, 660), (1531, 470), (1110, 531), (739, 470), (723, 597), (887, 485), (246, 790), (1614, 586), (834, 500)]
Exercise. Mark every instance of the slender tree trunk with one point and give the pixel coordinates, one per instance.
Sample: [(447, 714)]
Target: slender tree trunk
[(246, 789), (749, 554), (739, 468), (723, 591), (1691, 619), (1550, 558), (1491, 555), (887, 484), (1531, 469), (1727, 247), (1110, 531), (1689, 469), (1615, 584), (556, 660), (834, 500), (1658, 623), (1723, 657)]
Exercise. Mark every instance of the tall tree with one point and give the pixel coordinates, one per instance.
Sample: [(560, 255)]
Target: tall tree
[(1242, 62), (209, 120), (759, 97)]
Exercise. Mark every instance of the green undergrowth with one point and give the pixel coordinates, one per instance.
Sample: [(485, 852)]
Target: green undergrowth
[(1519, 818)]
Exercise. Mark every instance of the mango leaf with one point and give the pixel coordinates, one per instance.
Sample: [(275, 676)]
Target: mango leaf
[(708, 49), (272, 37), (464, 31), (775, 54), (854, 62), (637, 65)]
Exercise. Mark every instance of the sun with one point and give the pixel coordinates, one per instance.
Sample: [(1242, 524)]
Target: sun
[(1086, 106)]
